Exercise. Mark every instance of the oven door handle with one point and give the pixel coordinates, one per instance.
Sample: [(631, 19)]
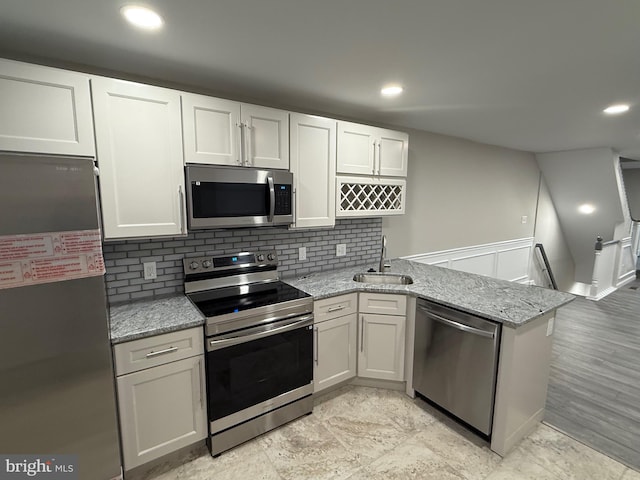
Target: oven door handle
[(259, 332)]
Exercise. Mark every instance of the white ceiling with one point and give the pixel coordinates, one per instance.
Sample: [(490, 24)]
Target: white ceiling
[(527, 74)]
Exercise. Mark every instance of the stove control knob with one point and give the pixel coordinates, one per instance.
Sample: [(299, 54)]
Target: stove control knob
[(271, 256), (194, 265), (261, 258), (206, 264)]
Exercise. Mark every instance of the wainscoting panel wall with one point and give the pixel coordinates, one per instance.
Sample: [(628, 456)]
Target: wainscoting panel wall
[(508, 260)]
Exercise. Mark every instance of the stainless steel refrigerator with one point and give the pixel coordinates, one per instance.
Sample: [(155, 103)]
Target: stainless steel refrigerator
[(57, 391)]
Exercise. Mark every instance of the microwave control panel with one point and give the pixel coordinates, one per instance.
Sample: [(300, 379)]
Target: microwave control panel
[(283, 199)]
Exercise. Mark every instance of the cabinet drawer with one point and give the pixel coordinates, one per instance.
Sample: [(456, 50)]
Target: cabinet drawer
[(157, 350), (385, 304), (335, 307)]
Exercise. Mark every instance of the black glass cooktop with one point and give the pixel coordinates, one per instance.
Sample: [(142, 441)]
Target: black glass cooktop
[(236, 299)]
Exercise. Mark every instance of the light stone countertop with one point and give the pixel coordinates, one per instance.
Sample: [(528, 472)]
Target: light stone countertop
[(509, 303), (146, 318)]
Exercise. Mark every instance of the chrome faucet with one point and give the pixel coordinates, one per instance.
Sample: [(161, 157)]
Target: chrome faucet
[(384, 264)]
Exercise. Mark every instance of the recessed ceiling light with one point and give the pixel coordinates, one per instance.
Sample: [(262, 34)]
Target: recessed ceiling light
[(615, 109), (586, 208), (142, 17), (391, 90)]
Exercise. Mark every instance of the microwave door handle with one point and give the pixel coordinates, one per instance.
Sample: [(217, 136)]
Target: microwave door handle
[(272, 199)]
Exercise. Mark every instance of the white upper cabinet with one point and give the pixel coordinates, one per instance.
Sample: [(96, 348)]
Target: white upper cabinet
[(44, 110), (266, 136), (393, 152), (211, 128), (313, 164), (356, 148), (139, 152), (366, 150), (223, 132)]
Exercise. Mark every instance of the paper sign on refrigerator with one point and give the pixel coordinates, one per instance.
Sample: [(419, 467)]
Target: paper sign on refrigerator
[(49, 257)]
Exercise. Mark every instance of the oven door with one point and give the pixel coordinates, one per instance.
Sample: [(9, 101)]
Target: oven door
[(256, 370)]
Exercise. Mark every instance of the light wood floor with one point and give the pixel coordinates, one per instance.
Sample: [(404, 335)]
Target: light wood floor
[(594, 389)]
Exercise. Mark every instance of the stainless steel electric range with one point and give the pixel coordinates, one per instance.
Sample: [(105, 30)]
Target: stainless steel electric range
[(259, 344)]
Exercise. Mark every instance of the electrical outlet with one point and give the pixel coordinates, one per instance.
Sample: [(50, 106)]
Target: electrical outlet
[(550, 327), (302, 253), (524, 218), (149, 270), (341, 249)]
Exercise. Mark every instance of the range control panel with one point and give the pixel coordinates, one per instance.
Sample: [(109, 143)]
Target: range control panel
[(198, 265)]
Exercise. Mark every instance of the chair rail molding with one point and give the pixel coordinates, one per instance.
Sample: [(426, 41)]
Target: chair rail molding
[(506, 260)]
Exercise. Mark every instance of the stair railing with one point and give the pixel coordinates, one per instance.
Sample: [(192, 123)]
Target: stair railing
[(547, 266)]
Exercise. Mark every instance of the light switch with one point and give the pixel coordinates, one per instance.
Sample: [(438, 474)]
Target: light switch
[(341, 249), (302, 253)]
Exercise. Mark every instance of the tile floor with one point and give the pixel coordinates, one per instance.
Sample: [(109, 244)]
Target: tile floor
[(360, 433)]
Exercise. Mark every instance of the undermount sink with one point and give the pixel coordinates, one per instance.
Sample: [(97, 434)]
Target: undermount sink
[(383, 278)]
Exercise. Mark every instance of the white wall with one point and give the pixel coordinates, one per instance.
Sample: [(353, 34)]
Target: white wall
[(631, 177), (549, 233), (462, 193), (584, 176)]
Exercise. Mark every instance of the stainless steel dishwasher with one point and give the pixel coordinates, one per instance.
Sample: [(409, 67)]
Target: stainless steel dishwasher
[(456, 361)]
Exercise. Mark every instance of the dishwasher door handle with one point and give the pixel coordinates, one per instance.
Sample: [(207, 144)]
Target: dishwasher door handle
[(458, 325)]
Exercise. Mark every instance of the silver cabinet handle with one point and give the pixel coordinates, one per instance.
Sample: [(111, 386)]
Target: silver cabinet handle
[(182, 206), (335, 309), (379, 157), (457, 325), (362, 333), (272, 199), (239, 144), (317, 334), (152, 354), (247, 140), (374, 158), (200, 383)]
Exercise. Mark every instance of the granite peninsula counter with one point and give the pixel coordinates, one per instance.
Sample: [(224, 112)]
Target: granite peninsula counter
[(509, 303)]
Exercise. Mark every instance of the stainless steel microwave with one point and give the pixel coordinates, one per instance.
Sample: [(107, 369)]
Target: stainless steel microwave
[(224, 197)]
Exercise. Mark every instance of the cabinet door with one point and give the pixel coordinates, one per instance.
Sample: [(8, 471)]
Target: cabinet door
[(313, 164), (45, 110), (162, 409), (381, 352), (356, 147), (139, 141), (211, 128), (393, 153), (335, 351), (266, 137)]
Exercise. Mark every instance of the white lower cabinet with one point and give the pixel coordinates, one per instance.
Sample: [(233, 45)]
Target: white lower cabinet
[(381, 353), (335, 340), (382, 331), (335, 351), (162, 408)]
